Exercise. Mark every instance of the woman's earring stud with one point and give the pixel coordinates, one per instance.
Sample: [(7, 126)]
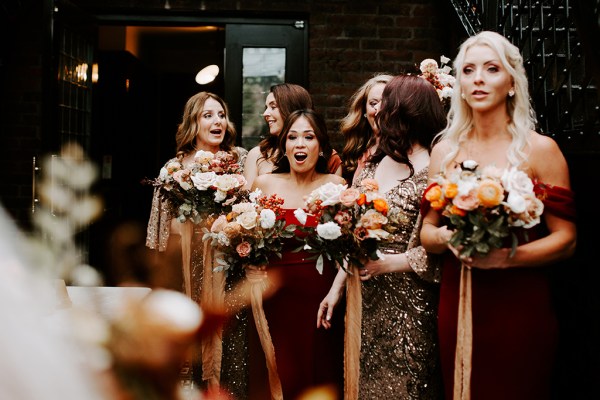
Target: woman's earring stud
[(511, 93)]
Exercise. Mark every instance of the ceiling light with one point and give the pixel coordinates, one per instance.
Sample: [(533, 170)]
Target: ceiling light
[(207, 74)]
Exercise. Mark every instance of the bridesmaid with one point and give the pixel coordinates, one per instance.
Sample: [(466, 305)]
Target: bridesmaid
[(282, 100), (514, 325), (359, 128), (205, 126), (306, 357)]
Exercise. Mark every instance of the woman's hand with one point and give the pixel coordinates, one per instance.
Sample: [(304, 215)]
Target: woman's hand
[(496, 258), (326, 307), (386, 264)]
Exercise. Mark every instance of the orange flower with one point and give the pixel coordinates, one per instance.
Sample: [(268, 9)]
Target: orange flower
[(381, 205), (490, 193), (438, 204), (434, 194), (362, 199), (450, 190), (457, 211)]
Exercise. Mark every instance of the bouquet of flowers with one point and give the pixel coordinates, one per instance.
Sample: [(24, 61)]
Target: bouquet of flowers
[(207, 186), (350, 223), (484, 206), (440, 78), (250, 233)]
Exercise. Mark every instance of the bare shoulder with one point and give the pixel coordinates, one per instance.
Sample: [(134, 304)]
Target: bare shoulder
[(547, 161), (338, 180), (253, 153)]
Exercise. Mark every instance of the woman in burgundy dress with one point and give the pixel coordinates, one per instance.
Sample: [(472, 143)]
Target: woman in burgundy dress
[(514, 328), (306, 357)]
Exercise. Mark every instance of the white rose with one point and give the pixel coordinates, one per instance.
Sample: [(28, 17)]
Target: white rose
[(444, 60), (329, 230), (220, 196), (492, 172), (446, 92), (203, 157), (255, 195), (164, 174), (301, 215), (247, 220), (466, 184), (516, 203), (330, 192), (242, 208), (517, 181), (267, 218), (226, 182), (204, 180), (377, 234)]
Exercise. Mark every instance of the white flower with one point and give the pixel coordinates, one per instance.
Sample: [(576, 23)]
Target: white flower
[(517, 181), (329, 193), (203, 157), (492, 172), (204, 180), (377, 234), (267, 218), (227, 182), (301, 215), (444, 60), (247, 220), (164, 174), (220, 196), (255, 195), (185, 208), (243, 207), (471, 165), (429, 65), (222, 239), (516, 203), (329, 230), (446, 93)]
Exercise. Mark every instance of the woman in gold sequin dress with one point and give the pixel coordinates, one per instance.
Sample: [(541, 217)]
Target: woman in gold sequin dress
[(205, 126), (398, 335)]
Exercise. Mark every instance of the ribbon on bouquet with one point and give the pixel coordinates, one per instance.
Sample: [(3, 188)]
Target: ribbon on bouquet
[(212, 298), (257, 286), (352, 334), (187, 230), (464, 338)]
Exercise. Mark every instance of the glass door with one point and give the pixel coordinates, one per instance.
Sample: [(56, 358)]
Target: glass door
[(257, 57)]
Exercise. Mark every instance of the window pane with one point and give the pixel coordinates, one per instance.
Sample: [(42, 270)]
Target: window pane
[(261, 68)]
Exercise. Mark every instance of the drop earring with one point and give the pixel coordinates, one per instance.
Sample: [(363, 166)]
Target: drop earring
[(365, 115), (320, 154)]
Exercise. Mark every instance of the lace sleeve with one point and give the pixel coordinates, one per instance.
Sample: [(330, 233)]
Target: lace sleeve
[(426, 265)]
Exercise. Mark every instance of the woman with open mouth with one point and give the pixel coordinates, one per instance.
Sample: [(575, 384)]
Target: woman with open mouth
[(306, 356), (281, 101)]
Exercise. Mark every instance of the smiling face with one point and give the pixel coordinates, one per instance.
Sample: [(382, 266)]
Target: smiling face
[(373, 103), (302, 146), (212, 123), (272, 115), (485, 82)]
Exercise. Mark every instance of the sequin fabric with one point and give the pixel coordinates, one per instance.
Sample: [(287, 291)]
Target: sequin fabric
[(234, 367), (399, 350)]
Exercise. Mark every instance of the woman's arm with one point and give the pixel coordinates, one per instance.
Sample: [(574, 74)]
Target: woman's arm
[(251, 166), (326, 307)]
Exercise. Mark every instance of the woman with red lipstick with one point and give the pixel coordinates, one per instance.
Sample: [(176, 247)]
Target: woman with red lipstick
[(509, 347), (280, 102), (205, 126), (306, 356)]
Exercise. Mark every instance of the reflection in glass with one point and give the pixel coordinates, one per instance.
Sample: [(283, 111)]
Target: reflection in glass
[(261, 69)]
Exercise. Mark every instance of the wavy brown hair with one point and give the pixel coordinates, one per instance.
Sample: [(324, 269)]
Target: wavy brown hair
[(282, 164), (355, 128), (411, 112), (189, 127), (289, 97)]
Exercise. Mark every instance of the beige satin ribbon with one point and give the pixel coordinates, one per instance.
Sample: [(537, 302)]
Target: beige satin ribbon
[(464, 339), (352, 334), (187, 230), (212, 298), (257, 287)]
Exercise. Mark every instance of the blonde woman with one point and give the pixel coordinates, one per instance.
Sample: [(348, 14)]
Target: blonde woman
[(514, 327)]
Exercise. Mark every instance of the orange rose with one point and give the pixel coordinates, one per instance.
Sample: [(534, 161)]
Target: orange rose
[(381, 205), (457, 211), (490, 193), (438, 204), (450, 190), (434, 194), (362, 199)]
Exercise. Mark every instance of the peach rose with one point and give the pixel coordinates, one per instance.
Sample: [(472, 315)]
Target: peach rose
[(370, 184), (372, 220), (219, 224), (244, 249), (467, 202), (490, 193), (349, 196)]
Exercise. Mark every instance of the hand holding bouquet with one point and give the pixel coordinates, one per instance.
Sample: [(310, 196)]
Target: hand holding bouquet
[(205, 187), (484, 206), (250, 233), (350, 222)]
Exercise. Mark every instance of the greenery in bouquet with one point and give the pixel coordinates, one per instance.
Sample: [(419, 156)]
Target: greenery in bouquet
[(439, 76), (485, 206), (350, 223), (209, 185), (251, 233)]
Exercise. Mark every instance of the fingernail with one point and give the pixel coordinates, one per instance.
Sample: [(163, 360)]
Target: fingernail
[(328, 318)]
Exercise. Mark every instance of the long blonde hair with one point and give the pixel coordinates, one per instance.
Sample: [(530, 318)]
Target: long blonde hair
[(354, 126), (518, 107)]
